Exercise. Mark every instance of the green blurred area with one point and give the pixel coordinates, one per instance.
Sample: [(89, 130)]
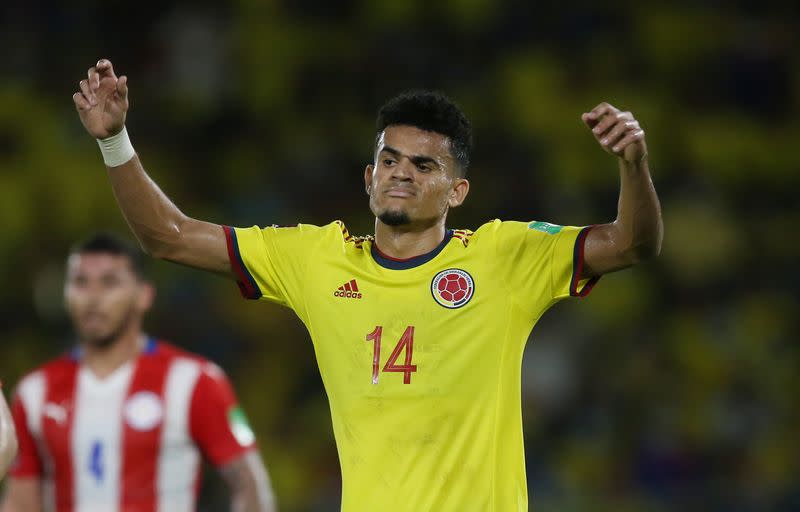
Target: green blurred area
[(670, 388)]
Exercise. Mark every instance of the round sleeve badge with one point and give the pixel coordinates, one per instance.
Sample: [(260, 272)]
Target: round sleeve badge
[(452, 288)]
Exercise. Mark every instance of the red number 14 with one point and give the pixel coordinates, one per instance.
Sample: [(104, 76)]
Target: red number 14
[(406, 341)]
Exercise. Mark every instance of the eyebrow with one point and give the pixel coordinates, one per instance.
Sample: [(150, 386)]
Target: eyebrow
[(415, 159)]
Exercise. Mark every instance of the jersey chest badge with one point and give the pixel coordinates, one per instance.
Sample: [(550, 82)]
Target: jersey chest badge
[(143, 411), (452, 288)]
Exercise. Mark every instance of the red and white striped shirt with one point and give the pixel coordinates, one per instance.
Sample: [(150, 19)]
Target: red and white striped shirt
[(131, 442)]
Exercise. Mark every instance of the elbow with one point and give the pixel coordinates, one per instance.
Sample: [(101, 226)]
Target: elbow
[(163, 244), (645, 250), (644, 244), (645, 253), (154, 250)]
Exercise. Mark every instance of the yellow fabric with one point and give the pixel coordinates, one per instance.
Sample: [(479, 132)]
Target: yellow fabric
[(450, 439)]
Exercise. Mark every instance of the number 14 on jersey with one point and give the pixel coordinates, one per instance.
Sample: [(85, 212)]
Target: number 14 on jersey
[(406, 342)]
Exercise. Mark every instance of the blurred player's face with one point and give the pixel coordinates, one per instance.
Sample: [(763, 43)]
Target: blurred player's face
[(414, 179), (104, 297)]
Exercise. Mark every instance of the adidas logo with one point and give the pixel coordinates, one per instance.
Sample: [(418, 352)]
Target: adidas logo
[(348, 290)]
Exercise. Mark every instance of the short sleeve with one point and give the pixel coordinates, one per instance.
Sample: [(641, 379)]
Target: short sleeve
[(542, 262), (270, 263), (218, 426), (28, 463)]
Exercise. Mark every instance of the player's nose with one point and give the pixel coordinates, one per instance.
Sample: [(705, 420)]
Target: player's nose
[(403, 171)]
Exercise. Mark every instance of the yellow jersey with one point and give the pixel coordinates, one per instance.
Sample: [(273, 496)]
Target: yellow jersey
[(420, 358)]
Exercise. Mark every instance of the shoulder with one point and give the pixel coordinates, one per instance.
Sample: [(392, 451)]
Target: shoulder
[(338, 233), (180, 360), (50, 373), (511, 228), (32, 390), (301, 236), (485, 232)]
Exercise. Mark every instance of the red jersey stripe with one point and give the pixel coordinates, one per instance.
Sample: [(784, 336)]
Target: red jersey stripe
[(141, 444), (57, 430)]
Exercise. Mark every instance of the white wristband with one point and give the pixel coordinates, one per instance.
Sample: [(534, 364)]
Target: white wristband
[(116, 149)]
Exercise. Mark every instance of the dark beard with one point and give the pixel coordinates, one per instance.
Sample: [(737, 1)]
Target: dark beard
[(395, 218), (105, 342)]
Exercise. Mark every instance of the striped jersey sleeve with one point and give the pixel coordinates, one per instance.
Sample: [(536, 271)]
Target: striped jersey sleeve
[(28, 463), (218, 425)]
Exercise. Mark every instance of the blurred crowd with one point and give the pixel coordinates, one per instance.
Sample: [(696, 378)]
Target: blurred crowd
[(669, 388)]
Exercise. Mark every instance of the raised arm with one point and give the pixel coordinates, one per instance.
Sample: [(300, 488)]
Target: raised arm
[(162, 229), (637, 232), (249, 484)]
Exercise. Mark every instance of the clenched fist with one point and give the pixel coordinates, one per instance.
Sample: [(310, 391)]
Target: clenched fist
[(617, 132), (102, 101)]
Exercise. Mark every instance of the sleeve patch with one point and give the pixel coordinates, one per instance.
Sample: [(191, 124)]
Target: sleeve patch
[(240, 428), (545, 227)]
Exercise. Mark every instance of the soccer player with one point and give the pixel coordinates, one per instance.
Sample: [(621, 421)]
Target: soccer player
[(8, 435), (418, 330), (121, 422)]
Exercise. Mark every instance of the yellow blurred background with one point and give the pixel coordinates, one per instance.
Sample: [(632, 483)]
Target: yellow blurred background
[(670, 388)]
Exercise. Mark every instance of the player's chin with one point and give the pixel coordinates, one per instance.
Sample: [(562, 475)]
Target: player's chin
[(98, 336), (394, 217)]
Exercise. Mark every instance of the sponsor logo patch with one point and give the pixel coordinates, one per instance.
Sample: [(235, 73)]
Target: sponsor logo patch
[(348, 290), (545, 227), (452, 288)]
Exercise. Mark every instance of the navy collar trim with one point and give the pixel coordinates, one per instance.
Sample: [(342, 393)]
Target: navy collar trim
[(150, 346), (405, 264)]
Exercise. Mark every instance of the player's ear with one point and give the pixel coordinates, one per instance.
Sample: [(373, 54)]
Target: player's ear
[(368, 178), (458, 193), (147, 295)]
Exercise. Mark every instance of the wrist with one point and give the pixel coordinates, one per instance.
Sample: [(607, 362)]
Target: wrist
[(116, 149)]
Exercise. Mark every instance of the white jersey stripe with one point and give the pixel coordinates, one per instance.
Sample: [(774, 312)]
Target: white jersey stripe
[(97, 439), (179, 460), (31, 392)]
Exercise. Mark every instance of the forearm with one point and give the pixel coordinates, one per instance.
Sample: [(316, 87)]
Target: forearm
[(638, 226), (154, 219), (247, 500), (162, 229)]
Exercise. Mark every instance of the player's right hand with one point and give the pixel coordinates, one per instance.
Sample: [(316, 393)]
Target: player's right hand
[(102, 101)]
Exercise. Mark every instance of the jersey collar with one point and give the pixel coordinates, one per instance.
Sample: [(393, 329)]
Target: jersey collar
[(150, 345), (405, 264)]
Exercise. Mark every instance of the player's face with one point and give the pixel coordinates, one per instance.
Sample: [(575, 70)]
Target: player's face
[(104, 297), (414, 179)]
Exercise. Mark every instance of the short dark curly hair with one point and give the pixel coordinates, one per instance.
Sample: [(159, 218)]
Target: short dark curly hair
[(433, 112), (106, 243)]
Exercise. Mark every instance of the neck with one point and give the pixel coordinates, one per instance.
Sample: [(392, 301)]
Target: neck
[(403, 242), (103, 361)]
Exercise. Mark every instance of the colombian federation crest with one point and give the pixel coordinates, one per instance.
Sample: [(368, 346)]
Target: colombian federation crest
[(452, 288)]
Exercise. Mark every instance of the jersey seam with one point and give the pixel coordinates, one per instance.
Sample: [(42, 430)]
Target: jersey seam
[(551, 264), (305, 284), (517, 301)]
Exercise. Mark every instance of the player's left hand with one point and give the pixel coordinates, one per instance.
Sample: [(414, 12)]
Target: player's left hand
[(617, 132)]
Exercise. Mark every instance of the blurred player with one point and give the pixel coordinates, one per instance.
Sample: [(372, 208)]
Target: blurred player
[(123, 421), (419, 330), (8, 436)]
